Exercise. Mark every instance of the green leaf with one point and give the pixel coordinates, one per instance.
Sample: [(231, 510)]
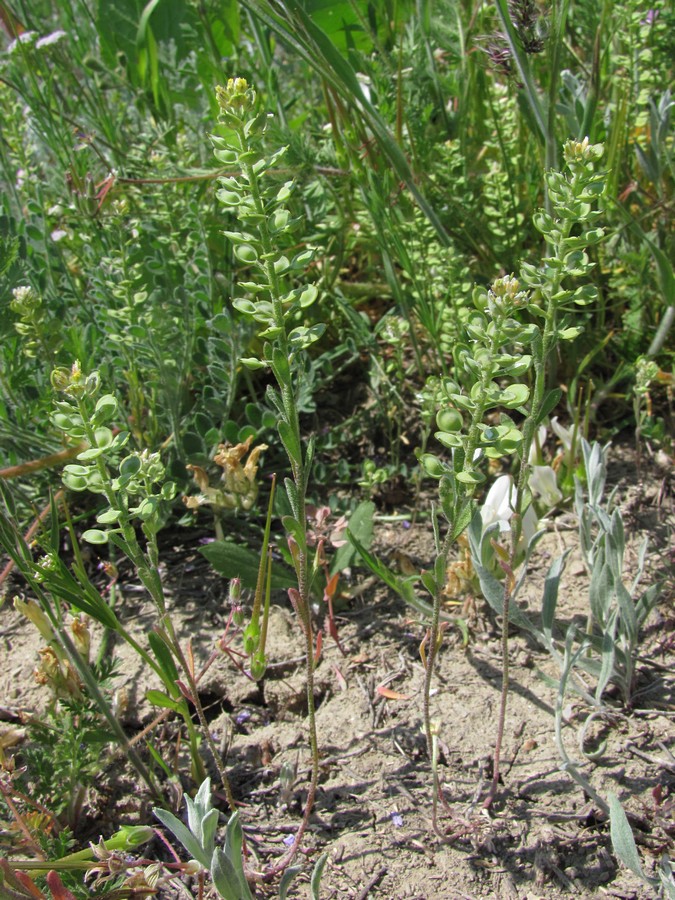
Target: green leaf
[(623, 841), (234, 841), (184, 835), (429, 583), (297, 30), (463, 518), (235, 561), (317, 872), (226, 878), (154, 754), (549, 403), (95, 536), (403, 587), (159, 698), (287, 880), (550, 598), (166, 662), (361, 525), (290, 441), (281, 367)]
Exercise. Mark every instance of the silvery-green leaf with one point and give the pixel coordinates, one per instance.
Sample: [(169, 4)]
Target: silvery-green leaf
[(184, 835)]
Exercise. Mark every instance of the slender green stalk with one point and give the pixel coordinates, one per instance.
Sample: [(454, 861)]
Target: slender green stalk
[(92, 687), (492, 358), (559, 238), (261, 209)]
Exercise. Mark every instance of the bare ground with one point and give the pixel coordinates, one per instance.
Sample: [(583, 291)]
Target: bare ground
[(542, 838)]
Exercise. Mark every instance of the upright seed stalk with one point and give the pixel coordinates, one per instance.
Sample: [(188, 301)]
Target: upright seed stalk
[(493, 356), (257, 206)]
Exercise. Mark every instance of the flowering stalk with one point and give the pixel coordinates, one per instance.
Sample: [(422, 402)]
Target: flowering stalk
[(570, 198), (138, 492), (492, 330), (493, 355), (272, 302)]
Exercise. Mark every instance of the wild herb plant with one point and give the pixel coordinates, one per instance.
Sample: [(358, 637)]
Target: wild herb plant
[(225, 864), (617, 612), (492, 357), (110, 864), (136, 491), (273, 302), (604, 652), (58, 590), (66, 743), (623, 843), (127, 268)]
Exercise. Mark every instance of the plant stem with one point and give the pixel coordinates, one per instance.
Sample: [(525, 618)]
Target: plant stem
[(504, 694), (300, 479)]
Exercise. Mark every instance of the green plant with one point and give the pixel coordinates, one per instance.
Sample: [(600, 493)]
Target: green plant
[(275, 305), (606, 651), (225, 864), (139, 493), (126, 839), (57, 590), (617, 613), (625, 848), (65, 745), (490, 361)]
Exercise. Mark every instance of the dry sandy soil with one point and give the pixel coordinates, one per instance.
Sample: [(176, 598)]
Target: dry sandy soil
[(542, 838)]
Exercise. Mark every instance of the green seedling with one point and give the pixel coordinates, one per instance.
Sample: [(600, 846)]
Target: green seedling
[(225, 864)]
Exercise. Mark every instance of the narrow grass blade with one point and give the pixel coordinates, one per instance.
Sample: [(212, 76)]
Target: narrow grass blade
[(295, 27)]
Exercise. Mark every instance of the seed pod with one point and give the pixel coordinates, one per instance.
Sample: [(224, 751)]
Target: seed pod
[(449, 420)]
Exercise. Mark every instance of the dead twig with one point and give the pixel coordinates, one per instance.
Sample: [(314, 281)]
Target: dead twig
[(378, 876)]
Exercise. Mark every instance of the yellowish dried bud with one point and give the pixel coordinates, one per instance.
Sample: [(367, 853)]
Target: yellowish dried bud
[(34, 613), (81, 637)]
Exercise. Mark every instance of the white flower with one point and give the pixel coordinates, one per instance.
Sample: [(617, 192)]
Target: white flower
[(26, 38), (499, 507), (530, 525), (564, 434), (498, 503), (364, 83), (50, 39), (23, 293), (537, 445), (58, 234), (543, 484)]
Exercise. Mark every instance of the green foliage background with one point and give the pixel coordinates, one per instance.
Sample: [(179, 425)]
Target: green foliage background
[(418, 134)]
